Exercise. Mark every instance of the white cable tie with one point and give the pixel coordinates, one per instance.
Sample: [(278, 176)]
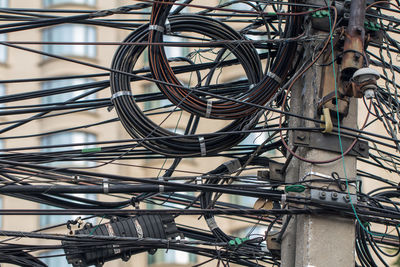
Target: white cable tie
[(156, 28), (209, 107), (211, 223), (251, 86), (139, 229), (202, 146), (106, 185), (233, 165), (274, 76), (199, 180), (120, 93), (167, 26)]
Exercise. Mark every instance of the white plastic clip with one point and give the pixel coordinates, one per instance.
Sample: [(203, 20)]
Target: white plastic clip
[(202, 146), (199, 180)]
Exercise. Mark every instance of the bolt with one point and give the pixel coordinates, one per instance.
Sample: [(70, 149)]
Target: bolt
[(334, 195), (346, 198), (322, 195)]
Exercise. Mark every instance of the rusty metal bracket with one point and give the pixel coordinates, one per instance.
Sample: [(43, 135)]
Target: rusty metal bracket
[(330, 142), (275, 171)]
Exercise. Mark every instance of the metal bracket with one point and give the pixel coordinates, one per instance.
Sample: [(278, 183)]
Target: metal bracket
[(332, 197), (275, 171), (330, 142)]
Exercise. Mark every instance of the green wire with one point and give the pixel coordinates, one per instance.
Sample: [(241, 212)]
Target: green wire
[(338, 126)]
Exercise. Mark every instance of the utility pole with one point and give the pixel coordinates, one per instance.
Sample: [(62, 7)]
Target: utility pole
[(324, 240)]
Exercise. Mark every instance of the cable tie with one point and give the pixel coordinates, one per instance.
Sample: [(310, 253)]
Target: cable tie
[(274, 76), (167, 26), (138, 228), (211, 223), (209, 107), (199, 180), (202, 146), (156, 28), (251, 86), (161, 186), (106, 188), (120, 93), (233, 165)]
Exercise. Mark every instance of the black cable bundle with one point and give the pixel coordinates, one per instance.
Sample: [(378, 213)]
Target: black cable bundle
[(151, 226)]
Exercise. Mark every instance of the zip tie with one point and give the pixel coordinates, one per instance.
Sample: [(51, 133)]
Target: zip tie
[(233, 165), (156, 28), (251, 86), (202, 146), (139, 229), (167, 26), (161, 186), (199, 180), (120, 93), (211, 223), (209, 107), (106, 188), (274, 76)]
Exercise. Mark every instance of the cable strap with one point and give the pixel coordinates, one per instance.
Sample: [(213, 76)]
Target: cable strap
[(119, 94), (139, 229), (209, 107), (274, 76), (106, 188), (202, 146), (211, 223), (156, 28)]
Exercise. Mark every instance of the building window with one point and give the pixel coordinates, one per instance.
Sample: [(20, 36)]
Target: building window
[(67, 138), (175, 257), (3, 48), (60, 261), (155, 104), (70, 33), (65, 96), (74, 2), (255, 139), (174, 51), (3, 3), (48, 220)]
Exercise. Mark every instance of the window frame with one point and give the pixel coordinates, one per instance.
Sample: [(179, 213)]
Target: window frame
[(88, 33)]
